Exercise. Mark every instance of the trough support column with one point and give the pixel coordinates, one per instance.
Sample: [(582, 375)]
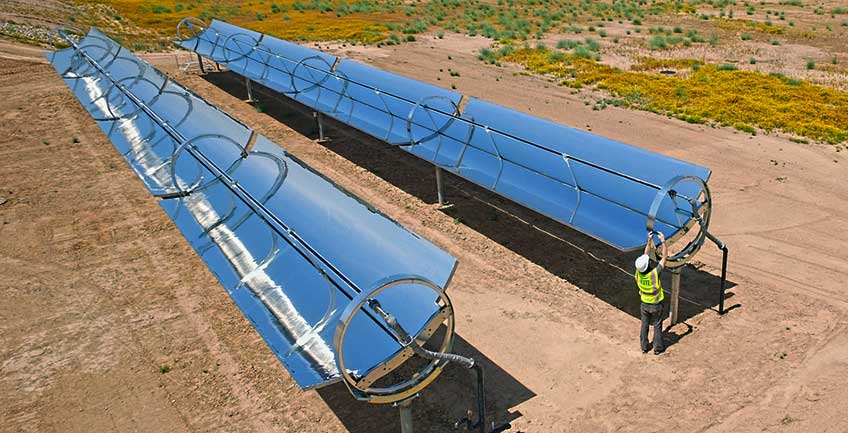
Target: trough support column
[(319, 120), (440, 187), (249, 90), (405, 408), (675, 295), (200, 64)]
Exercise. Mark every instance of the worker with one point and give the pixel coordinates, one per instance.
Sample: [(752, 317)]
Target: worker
[(651, 292)]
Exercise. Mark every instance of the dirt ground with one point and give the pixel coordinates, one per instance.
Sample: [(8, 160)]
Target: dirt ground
[(110, 322)]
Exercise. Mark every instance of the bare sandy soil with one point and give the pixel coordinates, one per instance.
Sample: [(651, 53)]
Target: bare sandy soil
[(100, 291)]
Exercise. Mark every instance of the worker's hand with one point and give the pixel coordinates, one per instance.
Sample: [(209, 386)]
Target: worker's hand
[(650, 235), (662, 237)]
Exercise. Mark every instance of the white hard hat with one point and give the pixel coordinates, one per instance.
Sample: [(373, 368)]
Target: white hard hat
[(642, 263)]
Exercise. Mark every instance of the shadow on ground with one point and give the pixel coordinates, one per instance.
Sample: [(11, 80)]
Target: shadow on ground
[(440, 405), (585, 262)]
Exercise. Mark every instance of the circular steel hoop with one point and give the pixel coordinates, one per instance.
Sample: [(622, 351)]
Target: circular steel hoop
[(65, 32), (192, 24), (135, 79), (198, 183), (423, 376), (232, 38), (107, 48), (438, 130), (318, 83), (701, 211)]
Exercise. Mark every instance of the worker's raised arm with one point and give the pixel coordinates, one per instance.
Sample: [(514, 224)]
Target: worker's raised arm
[(648, 244), (664, 250)]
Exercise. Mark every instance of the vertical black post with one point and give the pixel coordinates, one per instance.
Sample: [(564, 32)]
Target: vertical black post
[(724, 253), (200, 63), (723, 279), (481, 398)]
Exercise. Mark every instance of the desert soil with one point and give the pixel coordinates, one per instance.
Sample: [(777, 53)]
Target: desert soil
[(110, 322)]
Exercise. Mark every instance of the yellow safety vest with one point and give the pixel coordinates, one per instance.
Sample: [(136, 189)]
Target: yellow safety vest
[(650, 287)]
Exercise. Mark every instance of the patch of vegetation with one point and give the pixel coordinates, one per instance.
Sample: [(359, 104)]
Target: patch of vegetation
[(745, 99), (654, 64), (740, 24)]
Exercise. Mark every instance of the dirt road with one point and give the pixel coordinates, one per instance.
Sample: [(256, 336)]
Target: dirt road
[(109, 322)]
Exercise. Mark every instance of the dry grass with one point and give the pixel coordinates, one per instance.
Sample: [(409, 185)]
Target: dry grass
[(730, 97)]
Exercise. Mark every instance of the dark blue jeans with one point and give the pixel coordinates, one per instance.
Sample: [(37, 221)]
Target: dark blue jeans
[(652, 315)]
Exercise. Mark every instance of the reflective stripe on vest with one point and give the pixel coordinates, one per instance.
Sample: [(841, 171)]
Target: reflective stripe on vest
[(650, 287)]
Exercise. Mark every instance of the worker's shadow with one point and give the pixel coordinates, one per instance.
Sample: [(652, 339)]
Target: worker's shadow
[(591, 265), (441, 404)]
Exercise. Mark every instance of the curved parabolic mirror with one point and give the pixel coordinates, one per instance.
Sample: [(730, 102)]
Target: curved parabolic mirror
[(287, 243), (601, 187)]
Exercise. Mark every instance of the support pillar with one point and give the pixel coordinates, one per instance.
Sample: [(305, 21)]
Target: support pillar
[(440, 187), (249, 90), (675, 295), (405, 408), (319, 120), (200, 64)]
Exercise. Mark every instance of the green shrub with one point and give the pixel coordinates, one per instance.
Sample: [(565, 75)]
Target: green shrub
[(775, 42), (713, 40), (744, 127), (658, 42), (811, 64), (593, 45), (583, 52), (726, 67), (746, 36), (568, 44)]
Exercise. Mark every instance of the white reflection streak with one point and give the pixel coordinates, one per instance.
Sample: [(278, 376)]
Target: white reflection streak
[(250, 271)]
